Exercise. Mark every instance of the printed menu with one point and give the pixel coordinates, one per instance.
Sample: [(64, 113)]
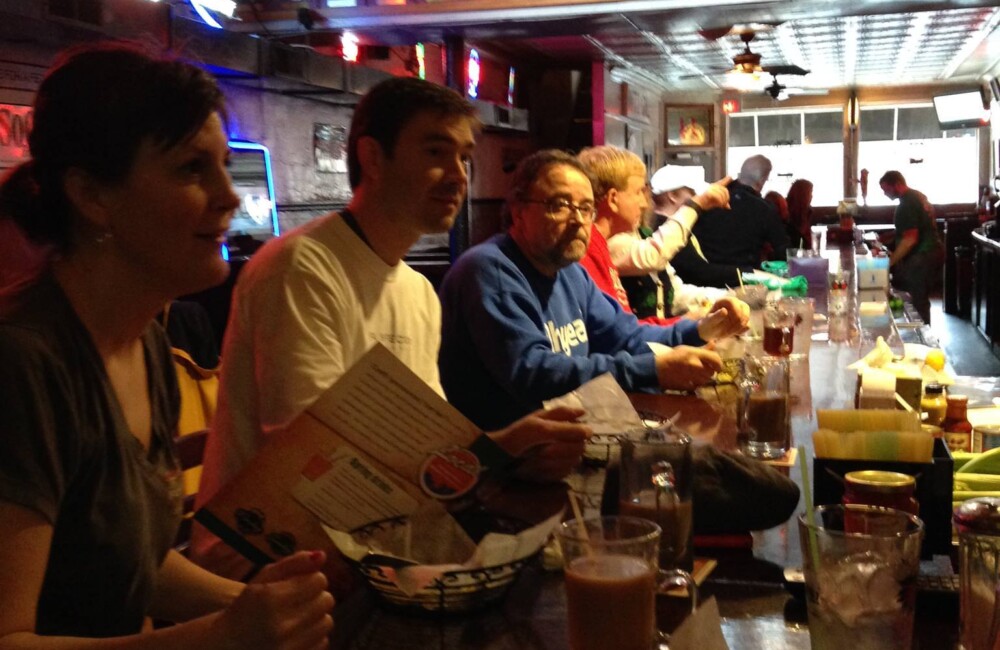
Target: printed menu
[(376, 445)]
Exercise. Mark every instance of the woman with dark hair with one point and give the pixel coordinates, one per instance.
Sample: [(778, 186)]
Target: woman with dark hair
[(800, 196), (127, 187)]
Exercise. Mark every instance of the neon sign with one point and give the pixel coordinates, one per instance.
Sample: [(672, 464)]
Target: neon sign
[(421, 64), (473, 72), (349, 48), (204, 9)]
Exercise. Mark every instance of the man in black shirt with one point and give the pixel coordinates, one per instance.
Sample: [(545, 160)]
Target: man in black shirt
[(737, 236), (916, 242)]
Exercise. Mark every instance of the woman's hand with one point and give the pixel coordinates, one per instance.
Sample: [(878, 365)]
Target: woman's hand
[(286, 607)]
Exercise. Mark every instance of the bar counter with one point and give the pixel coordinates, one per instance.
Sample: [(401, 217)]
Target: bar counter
[(757, 611)]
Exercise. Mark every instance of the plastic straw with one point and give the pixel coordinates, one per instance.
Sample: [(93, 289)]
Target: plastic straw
[(739, 276), (810, 513), (578, 515), (903, 402)]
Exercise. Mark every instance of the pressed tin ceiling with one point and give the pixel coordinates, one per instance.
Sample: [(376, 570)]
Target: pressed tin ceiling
[(842, 43)]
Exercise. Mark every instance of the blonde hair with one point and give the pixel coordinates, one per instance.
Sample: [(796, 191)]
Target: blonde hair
[(611, 167)]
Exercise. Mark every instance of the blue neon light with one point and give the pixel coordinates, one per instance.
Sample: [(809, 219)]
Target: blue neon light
[(205, 15), (256, 146)]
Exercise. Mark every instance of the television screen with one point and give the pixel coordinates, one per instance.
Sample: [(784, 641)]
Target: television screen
[(256, 218), (961, 110)]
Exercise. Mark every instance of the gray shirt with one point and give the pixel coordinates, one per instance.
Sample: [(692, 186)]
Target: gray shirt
[(67, 453)]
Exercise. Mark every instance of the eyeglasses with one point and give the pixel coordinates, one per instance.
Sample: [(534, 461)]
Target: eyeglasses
[(560, 209)]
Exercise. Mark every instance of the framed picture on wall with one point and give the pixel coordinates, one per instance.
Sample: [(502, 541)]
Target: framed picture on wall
[(330, 148), (688, 125)]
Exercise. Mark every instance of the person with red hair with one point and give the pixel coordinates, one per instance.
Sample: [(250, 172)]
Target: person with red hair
[(799, 223)]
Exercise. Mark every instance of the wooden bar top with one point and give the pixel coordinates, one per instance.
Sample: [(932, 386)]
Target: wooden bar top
[(757, 611)]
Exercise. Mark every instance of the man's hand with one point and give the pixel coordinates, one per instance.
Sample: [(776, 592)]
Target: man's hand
[(715, 195), (550, 442), (909, 242), (686, 368), (727, 317)]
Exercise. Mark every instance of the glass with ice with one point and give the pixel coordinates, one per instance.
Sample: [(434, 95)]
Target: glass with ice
[(861, 565), (978, 524)]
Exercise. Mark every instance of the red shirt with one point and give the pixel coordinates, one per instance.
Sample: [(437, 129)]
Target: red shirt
[(602, 271)]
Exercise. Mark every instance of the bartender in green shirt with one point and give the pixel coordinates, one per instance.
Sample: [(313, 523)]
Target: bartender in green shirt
[(916, 242)]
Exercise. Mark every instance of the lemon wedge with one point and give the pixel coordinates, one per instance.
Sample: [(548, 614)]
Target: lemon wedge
[(935, 359)]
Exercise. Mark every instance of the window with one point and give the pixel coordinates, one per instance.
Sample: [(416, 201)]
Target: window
[(877, 124), (944, 165), (800, 144), (742, 131), (808, 144), (780, 129), (823, 127)]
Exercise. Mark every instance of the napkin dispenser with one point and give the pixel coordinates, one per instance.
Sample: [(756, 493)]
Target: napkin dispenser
[(872, 272)]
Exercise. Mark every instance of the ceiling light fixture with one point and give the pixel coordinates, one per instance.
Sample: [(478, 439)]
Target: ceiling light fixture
[(743, 81)]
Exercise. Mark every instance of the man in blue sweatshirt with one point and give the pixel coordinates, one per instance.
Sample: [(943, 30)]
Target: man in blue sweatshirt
[(522, 322)]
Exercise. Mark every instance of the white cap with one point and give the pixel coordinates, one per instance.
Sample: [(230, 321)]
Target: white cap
[(674, 177)]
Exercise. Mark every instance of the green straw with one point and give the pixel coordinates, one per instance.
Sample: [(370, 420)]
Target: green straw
[(810, 513)]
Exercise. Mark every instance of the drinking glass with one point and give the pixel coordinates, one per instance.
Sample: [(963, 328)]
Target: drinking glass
[(763, 417), (802, 309), (810, 264), (838, 296), (779, 330), (655, 484), (861, 564), (819, 238), (978, 524), (612, 581)]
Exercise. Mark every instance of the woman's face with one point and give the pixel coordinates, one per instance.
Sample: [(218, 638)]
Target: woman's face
[(169, 217)]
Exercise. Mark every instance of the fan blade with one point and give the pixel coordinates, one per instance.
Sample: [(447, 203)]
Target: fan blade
[(807, 91), (785, 69), (715, 33)]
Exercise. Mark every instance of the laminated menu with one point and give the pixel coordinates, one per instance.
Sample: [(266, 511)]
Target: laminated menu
[(377, 444)]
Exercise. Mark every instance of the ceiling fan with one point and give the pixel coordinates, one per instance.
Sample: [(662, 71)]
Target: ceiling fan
[(748, 62), (746, 70), (778, 91)]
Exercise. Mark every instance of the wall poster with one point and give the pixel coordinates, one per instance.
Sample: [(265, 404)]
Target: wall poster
[(688, 125)]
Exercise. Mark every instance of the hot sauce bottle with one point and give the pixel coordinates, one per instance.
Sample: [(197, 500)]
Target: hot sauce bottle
[(956, 426)]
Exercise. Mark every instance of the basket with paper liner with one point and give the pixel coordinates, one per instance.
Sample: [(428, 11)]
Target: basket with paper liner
[(428, 562)]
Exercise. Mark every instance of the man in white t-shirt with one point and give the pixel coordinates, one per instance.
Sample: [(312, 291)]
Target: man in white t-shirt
[(311, 303)]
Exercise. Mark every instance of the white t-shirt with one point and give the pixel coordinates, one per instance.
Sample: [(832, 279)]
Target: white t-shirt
[(637, 256), (305, 308)]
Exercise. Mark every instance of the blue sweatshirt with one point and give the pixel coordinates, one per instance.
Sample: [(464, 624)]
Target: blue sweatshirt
[(512, 337)]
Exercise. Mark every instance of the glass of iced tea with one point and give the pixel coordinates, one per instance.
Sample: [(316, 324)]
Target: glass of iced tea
[(655, 483), (779, 330), (612, 580), (763, 416)]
